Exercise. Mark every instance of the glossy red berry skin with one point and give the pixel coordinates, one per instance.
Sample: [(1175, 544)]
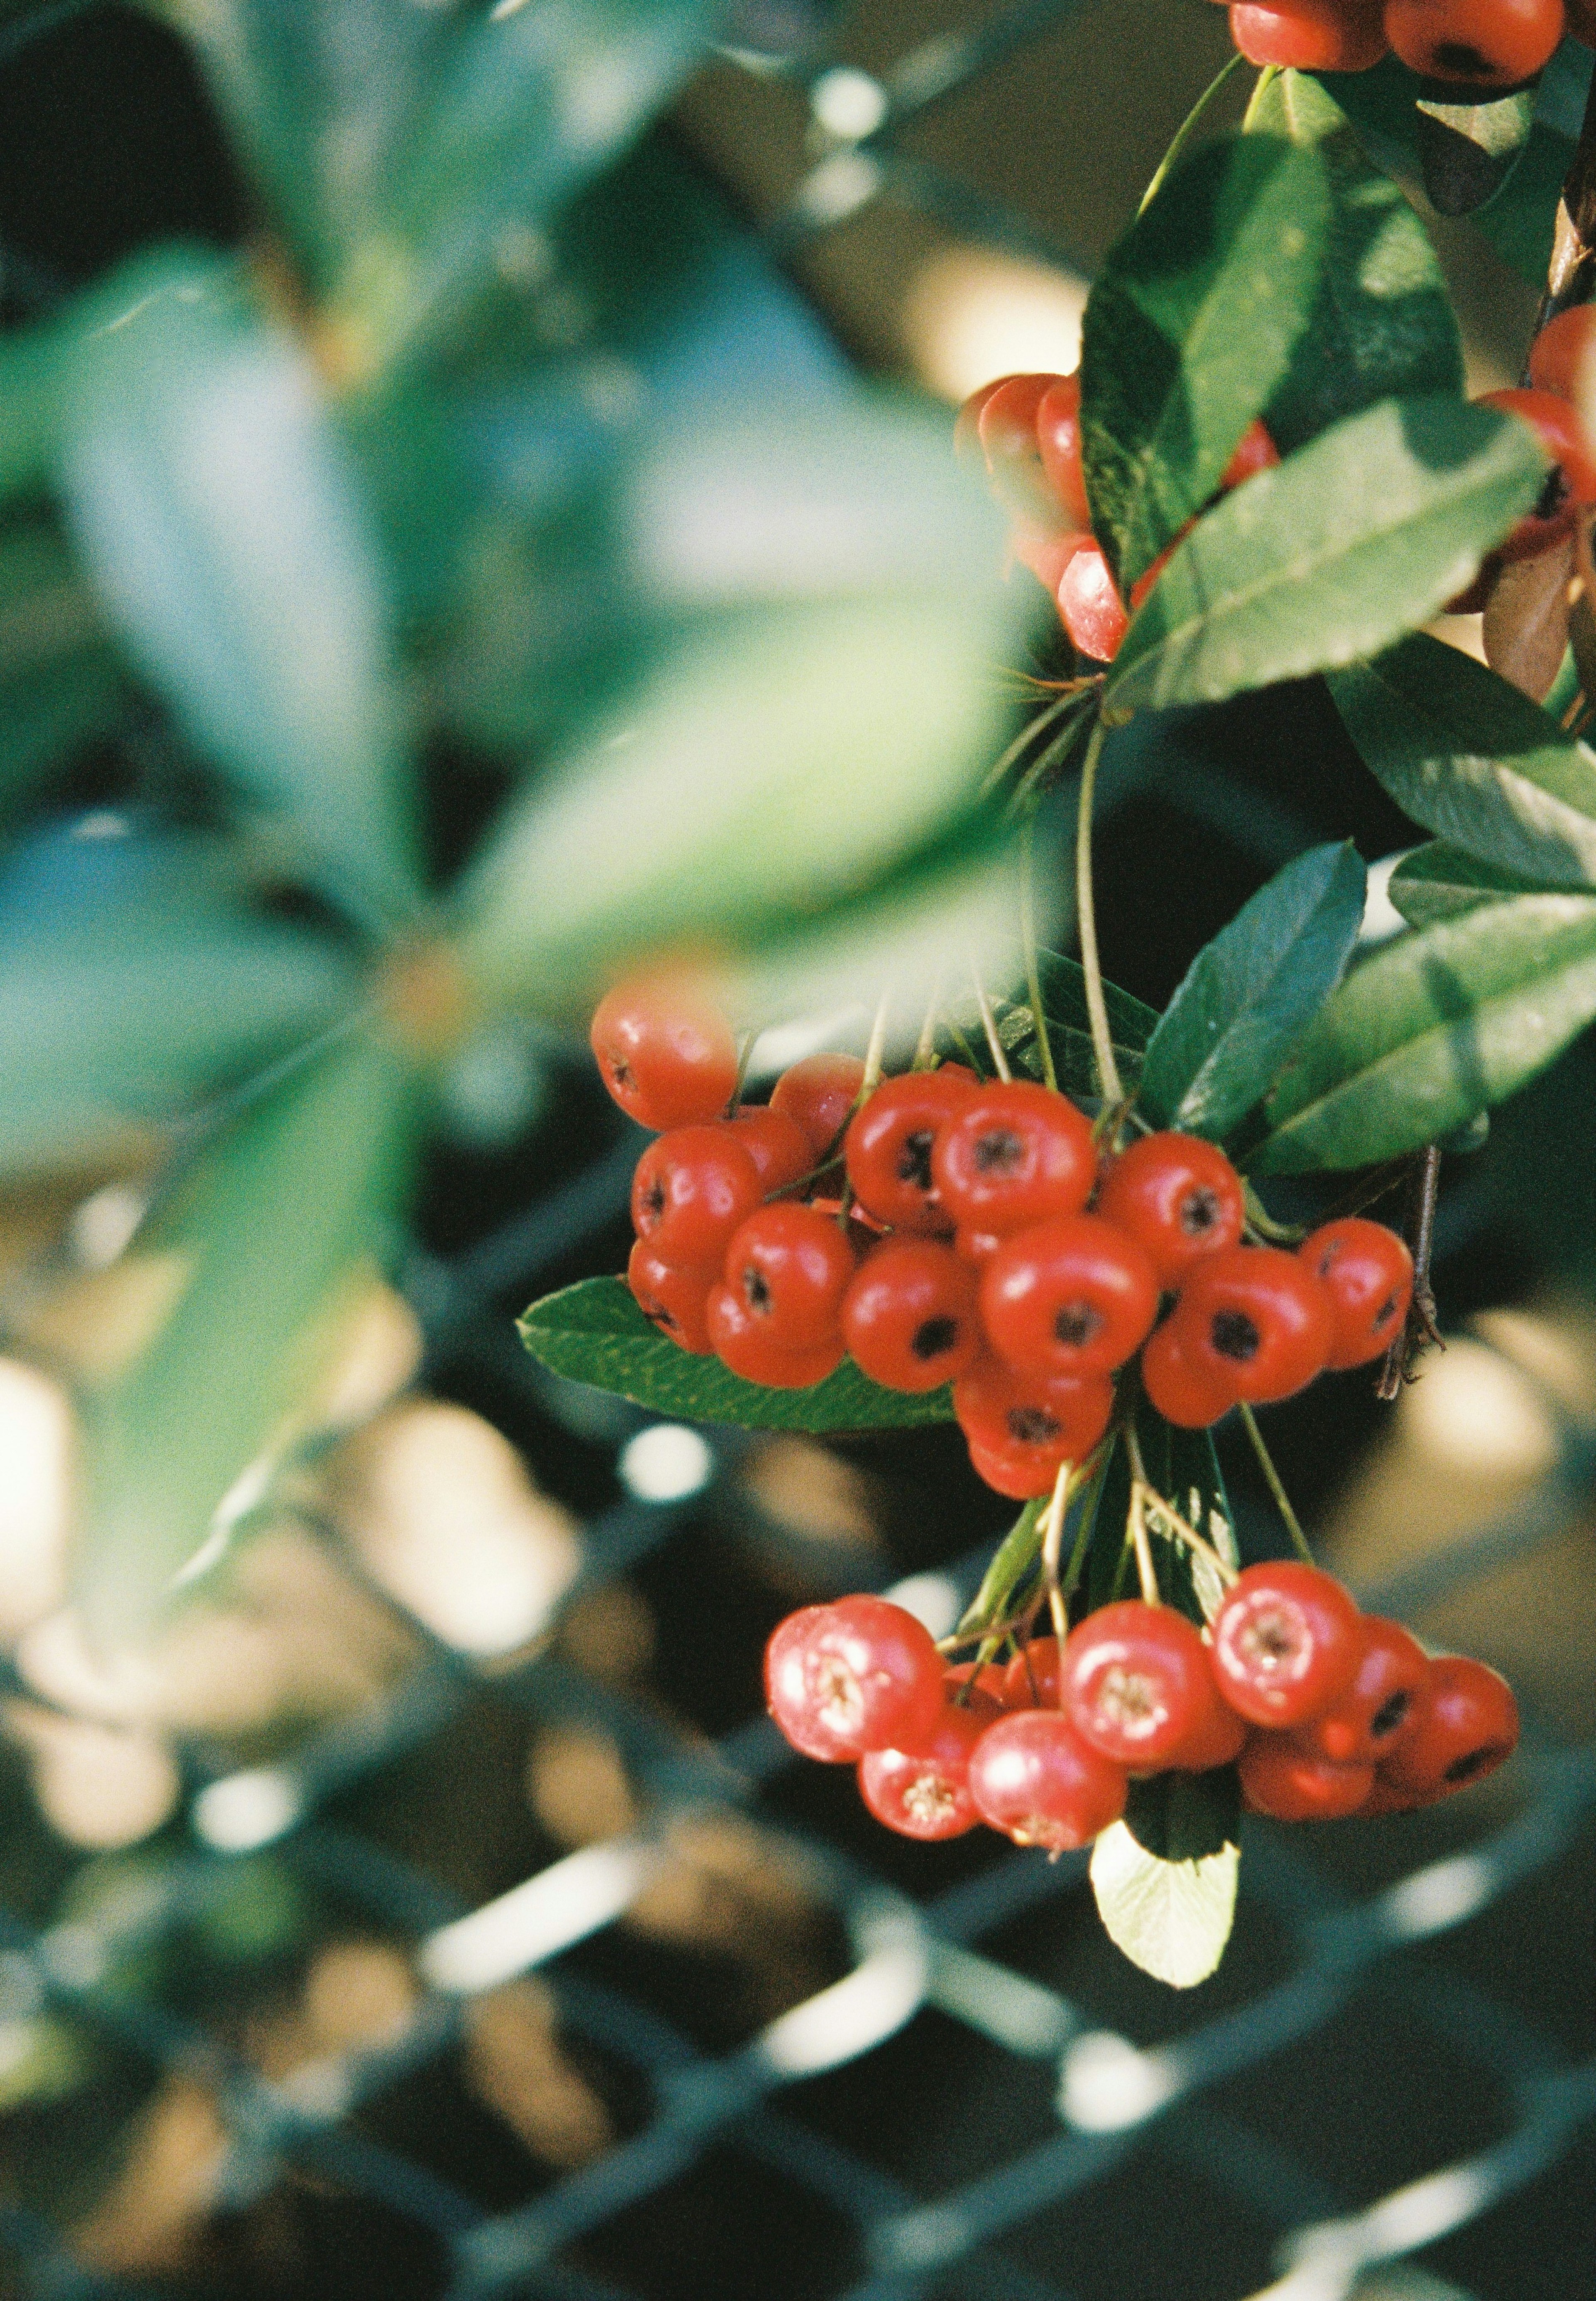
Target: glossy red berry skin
[(1217, 1739), (1280, 1777), (742, 1343), (1476, 43), (1255, 1319), (1036, 1421), (1308, 34), (1045, 554), (1090, 607), (667, 1056), (861, 1673), (925, 1793), (777, 1148), (1559, 350), (1557, 425), (1013, 1471), (908, 1317), (1469, 1725), (817, 1095), (791, 1265), (1005, 427), (1285, 1643), (1073, 1296), (1058, 439), (890, 1145), (692, 1191), (1015, 1154), (1136, 1681), (1030, 1677), (676, 1300), (984, 1698), (1184, 1393), (1034, 1778), (1178, 1197), (1366, 1272), (1383, 1706)]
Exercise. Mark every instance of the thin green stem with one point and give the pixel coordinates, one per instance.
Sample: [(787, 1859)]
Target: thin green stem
[(1102, 1043), (876, 1051), (926, 1047), (1057, 708), (1187, 129), (1283, 1501), (1265, 81), (989, 1024), (743, 1052), (1034, 981)]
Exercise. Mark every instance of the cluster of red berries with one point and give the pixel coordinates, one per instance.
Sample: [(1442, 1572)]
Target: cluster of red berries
[(1557, 356), (1327, 1711), (1476, 43), (965, 1251), (1028, 429)]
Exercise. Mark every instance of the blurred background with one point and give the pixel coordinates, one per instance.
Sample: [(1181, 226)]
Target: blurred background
[(418, 1902)]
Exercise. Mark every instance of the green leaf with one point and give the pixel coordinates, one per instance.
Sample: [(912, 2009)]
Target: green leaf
[(1184, 1817), (1173, 1918), (1188, 331), (1348, 543), (1069, 1027), (1184, 1467), (1441, 882), (59, 680), (1469, 150), (30, 383), (1383, 327), (1433, 1027), (1473, 760), (1247, 994), (594, 1331)]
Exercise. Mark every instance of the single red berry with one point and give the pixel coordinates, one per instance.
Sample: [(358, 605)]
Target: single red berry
[(1556, 424), (790, 1266), (1031, 1680), (1034, 1778), (1280, 1777), (742, 1341), (908, 1317), (817, 1095), (1255, 451), (1469, 1725), (676, 1300), (1178, 1197), (1013, 1472), (861, 1673), (1059, 436), (1308, 34), (691, 1189), (1038, 1420), (1217, 1739), (1136, 1681), (1285, 1643), (925, 1793), (1013, 1155), (890, 1142), (1367, 1273), (1073, 1296), (1478, 43), (1383, 1706), (1183, 1392), (1005, 427), (980, 1692), (777, 1148), (666, 1056), (1090, 607), (1559, 352), (1256, 1319)]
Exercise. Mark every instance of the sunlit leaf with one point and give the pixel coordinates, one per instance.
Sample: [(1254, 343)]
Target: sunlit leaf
[(1171, 1918)]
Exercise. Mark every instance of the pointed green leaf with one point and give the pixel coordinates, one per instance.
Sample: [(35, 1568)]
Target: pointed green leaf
[(1247, 994), (1069, 1027), (1348, 543), (1188, 331), (1441, 882), (594, 1331), (1173, 1918), (1469, 150)]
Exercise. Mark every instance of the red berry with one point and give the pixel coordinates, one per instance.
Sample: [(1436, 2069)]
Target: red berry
[(861, 1673), (1557, 425), (908, 1317), (1367, 1273), (1183, 1392), (984, 1698), (1005, 427), (1383, 1706), (1090, 607), (925, 1793), (1013, 1472), (1256, 452), (1308, 34), (1036, 1421), (1384, 1799), (1217, 1739), (1058, 438), (1033, 1777), (742, 1343), (1469, 1725), (890, 1147), (1285, 1643), (1279, 1775), (817, 1095), (1015, 1154), (1178, 1197), (675, 1298), (666, 1056), (790, 1266), (1480, 43), (779, 1148), (1136, 1681), (1046, 555), (975, 1245), (1558, 351), (1256, 1319), (1031, 1680), (691, 1189), (1073, 1296)]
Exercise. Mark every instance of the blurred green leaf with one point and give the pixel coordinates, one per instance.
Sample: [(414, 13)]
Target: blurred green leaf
[(1188, 331), (1441, 880), (1348, 543), (60, 681), (30, 384), (1172, 1917), (595, 1332), (1248, 992)]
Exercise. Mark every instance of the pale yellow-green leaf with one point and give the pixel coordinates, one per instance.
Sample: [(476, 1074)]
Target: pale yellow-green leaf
[(1171, 1919)]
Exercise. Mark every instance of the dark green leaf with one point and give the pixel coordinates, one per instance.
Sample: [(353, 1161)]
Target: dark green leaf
[(1469, 150), (1182, 1817), (1247, 993), (1473, 760), (59, 680), (1188, 331), (1348, 543), (1433, 1027), (1069, 1027), (594, 1331), (1441, 882)]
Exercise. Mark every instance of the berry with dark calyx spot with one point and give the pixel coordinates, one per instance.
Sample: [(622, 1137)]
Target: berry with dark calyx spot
[(1469, 1725), (1033, 1777), (667, 1056), (1136, 1681), (890, 1142), (777, 1146), (909, 1316), (1058, 439), (1013, 1155), (1384, 1703), (691, 1192), (742, 1343), (790, 1266), (860, 1674), (1090, 606), (817, 1095), (925, 1793), (1256, 1319), (1285, 1643), (1073, 1296), (1184, 1393), (1367, 1274), (1308, 34), (1476, 43), (1178, 1197), (1281, 1777), (1034, 1422), (676, 1300)]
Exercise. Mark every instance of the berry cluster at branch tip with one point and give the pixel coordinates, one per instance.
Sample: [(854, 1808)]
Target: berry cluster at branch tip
[(1326, 1711), (1479, 44)]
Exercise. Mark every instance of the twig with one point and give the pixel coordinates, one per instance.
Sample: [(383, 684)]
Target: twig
[(1033, 983), (1283, 1501), (1418, 1328), (1096, 1008), (994, 1043)]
